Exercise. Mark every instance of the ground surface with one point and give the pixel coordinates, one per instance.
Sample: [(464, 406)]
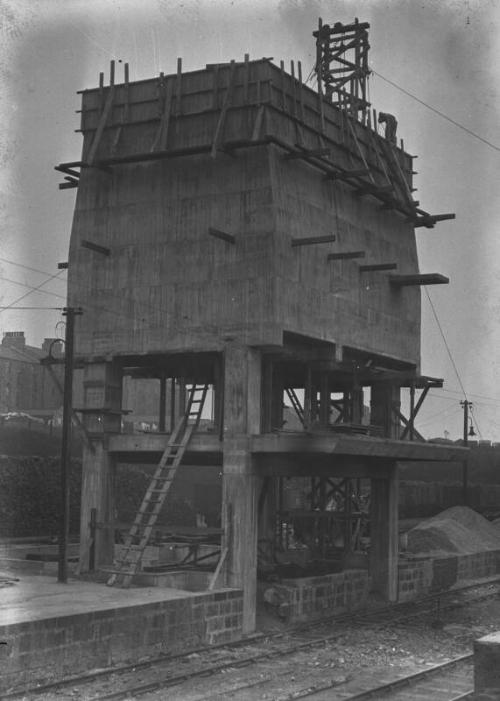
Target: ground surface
[(408, 646), (401, 648)]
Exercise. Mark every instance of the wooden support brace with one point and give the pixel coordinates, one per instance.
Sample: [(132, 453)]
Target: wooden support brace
[(215, 575), (374, 267), (160, 142), (259, 117), (222, 116), (348, 174), (407, 424), (424, 279), (178, 92), (307, 153), (373, 190), (95, 247), (411, 423), (216, 233), (345, 255), (312, 240), (102, 123)]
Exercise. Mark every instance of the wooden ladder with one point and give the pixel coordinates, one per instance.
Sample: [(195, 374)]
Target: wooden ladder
[(140, 531), (295, 403)]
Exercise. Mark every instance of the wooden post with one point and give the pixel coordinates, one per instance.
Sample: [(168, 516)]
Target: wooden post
[(384, 535), (242, 382), (308, 398), (163, 399), (102, 386), (65, 465), (383, 397), (172, 404)]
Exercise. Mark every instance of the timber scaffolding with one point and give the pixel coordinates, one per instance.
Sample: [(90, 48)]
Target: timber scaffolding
[(219, 220), (241, 108)]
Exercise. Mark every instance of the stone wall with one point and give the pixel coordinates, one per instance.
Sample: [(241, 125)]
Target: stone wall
[(42, 650)]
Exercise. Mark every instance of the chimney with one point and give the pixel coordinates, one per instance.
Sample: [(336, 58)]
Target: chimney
[(14, 339), (53, 346)]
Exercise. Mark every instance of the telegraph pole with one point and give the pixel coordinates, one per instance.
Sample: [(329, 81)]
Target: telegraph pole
[(465, 476), (69, 313)]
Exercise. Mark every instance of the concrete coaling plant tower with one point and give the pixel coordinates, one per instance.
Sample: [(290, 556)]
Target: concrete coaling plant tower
[(237, 230)]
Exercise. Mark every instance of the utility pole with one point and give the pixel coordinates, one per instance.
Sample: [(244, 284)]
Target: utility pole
[(465, 476), (69, 313)]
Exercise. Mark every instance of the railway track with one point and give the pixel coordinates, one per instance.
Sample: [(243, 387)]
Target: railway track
[(264, 652)]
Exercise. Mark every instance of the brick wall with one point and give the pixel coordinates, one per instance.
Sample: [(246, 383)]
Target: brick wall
[(421, 576), (311, 597), (51, 648)]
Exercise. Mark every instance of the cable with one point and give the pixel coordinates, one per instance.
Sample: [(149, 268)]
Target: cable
[(33, 289), (26, 267), (41, 308), (445, 342), (441, 114)]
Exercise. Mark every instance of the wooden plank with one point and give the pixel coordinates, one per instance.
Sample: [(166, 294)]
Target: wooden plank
[(246, 77), (312, 240), (430, 219), (307, 153), (345, 255), (259, 118), (218, 569), (301, 90), (229, 238), (419, 279), (283, 94), (341, 175), (220, 124), (377, 267), (161, 138), (100, 127), (178, 92), (294, 97), (95, 247)]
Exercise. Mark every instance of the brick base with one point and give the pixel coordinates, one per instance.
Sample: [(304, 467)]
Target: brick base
[(47, 649), (307, 598), (425, 575)]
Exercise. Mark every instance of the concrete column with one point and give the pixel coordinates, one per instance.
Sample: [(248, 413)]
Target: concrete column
[(242, 385), (487, 667), (102, 397), (384, 536), (383, 398)]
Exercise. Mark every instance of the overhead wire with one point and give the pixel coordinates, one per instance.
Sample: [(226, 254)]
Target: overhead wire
[(438, 112), (33, 289)]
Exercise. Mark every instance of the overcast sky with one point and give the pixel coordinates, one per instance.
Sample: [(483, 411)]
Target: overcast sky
[(445, 53)]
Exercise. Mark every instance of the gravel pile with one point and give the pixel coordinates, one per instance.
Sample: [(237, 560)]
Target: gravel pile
[(458, 530)]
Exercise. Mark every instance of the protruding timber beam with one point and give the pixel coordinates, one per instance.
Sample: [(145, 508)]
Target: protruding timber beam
[(71, 182), (374, 267), (429, 220), (423, 279), (345, 255), (312, 240), (216, 233), (95, 247)]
